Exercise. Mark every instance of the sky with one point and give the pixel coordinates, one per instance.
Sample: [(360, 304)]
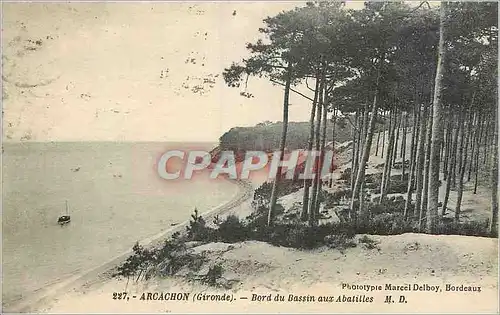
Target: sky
[(133, 71)]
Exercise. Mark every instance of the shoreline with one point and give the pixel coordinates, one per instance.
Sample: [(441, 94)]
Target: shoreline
[(243, 193)]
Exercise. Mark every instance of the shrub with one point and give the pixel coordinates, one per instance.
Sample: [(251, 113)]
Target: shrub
[(166, 260), (385, 224), (375, 178), (213, 275), (397, 186), (346, 174), (368, 243), (399, 165), (262, 194), (372, 186), (336, 197), (173, 256), (232, 230), (464, 228), (136, 263), (340, 241), (389, 205), (294, 235), (197, 229), (303, 237)]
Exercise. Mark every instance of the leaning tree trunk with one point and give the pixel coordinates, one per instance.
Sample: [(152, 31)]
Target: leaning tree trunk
[(310, 140), (437, 135), (319, 171), (286, 99), (360, 177), (314, 193)]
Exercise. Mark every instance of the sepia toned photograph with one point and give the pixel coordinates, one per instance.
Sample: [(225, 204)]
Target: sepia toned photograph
[(250, 157)]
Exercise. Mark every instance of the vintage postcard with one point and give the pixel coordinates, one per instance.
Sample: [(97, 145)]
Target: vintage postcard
[(250, 157)]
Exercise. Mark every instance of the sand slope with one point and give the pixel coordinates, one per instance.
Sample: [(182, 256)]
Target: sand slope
[(265, 269)]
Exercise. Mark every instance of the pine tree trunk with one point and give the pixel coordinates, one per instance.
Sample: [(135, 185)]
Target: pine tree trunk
[(383, 137), (354, 151), (362, 196), (365, 124), (420, 161), (378, 140), (486, 137), (475, 136), (389, 156), (386, 162), (447, 148), (334, 120), (392, 152), (310, 140), (386, 153), (461, 172), (493, 227), (360, 177), (403, 146), (451, 167), (413, 153), (425, 186), (360, 137), (286, 99), (314, 196), (396, 141), (476, 159), (437, 135), (319, 178)]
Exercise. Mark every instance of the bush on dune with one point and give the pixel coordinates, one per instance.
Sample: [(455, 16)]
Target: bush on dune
[(333, 199), (262, 194), (380, 219)]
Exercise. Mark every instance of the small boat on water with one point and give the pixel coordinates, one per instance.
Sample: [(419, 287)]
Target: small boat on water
[(64, 219)]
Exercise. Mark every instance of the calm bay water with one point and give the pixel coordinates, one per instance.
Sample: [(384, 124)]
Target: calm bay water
[(115, 199)]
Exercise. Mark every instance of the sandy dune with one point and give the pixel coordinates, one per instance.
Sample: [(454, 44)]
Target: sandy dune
[(264, 269)]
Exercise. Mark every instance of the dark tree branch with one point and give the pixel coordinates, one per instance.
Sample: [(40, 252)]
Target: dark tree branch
[(295, 91)]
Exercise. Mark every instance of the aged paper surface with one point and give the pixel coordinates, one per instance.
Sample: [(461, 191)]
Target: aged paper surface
[(161, 124)]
